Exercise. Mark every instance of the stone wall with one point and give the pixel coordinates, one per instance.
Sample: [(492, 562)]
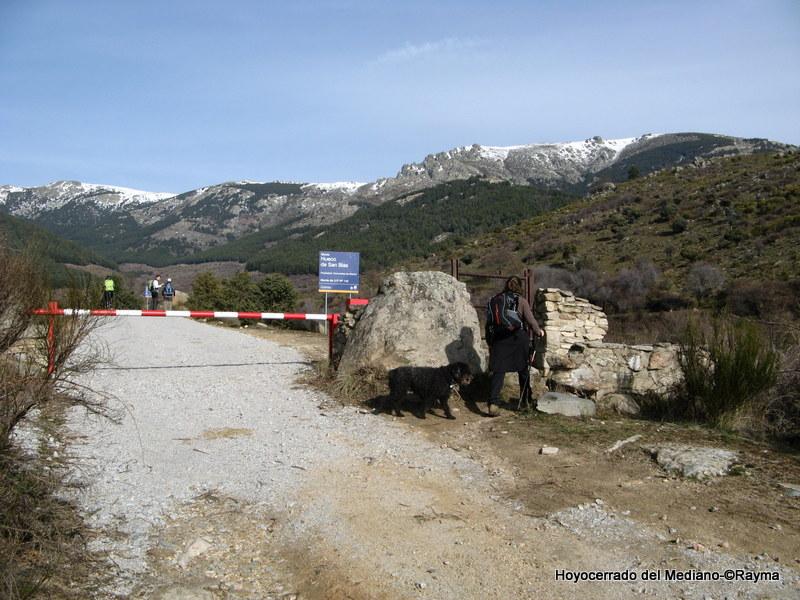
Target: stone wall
[(573, 355), (566, 320), (597, 369)]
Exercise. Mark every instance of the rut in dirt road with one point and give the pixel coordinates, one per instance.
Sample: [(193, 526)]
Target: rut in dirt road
[(331, 502)]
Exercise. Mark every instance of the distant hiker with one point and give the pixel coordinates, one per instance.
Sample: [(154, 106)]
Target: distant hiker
[(154, 286), (108, 292), (168, 293), (508, 322)]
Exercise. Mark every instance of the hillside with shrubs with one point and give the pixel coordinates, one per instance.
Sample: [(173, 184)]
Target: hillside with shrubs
[(723, 233)]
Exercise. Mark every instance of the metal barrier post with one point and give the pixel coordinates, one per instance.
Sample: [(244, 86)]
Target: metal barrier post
[(51, 338), (333, 323)]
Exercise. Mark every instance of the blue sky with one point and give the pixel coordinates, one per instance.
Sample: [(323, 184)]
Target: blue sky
[(174, 95)]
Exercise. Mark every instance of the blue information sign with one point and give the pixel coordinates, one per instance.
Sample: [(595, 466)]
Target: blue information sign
[(338, 272)]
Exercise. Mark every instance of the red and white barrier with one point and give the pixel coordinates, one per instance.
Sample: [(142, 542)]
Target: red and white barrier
[(53, 311), (191, 314)]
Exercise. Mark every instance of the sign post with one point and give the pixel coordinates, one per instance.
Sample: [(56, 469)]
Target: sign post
[(338, 273)]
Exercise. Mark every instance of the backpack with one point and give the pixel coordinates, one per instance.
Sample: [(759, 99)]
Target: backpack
[(502, 316), (168, 290)]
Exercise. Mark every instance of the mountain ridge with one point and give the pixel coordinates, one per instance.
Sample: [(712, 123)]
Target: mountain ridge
[(123, 225)]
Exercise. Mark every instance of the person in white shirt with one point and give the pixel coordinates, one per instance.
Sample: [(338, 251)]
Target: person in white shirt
[(155, 286)]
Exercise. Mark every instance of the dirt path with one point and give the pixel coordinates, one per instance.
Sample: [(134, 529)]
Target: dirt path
[(406, 508)]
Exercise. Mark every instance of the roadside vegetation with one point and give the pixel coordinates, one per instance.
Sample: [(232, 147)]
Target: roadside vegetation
[(738, 374), (273, 293), (43, 550)]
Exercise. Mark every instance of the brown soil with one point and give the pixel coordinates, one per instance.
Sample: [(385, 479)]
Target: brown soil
[(387, 517)]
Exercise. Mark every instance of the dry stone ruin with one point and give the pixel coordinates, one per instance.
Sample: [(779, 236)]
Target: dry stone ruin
[(574, 357)]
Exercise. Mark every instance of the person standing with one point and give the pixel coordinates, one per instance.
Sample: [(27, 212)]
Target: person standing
[(108, 292), (168, 293), (155, 287), (509, 323)]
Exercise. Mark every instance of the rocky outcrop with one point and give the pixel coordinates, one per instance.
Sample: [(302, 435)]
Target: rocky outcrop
[(417, 318)]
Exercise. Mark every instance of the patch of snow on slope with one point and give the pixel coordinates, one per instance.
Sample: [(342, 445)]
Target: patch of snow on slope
[(5, 190), (126, 195), (581, 151), (347, 187), (499, 153)]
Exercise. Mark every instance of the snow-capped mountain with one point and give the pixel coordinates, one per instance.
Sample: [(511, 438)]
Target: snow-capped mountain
[(29, 202), (126, 222), (569, 165)]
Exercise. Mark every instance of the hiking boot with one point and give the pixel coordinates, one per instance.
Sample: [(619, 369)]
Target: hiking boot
[(492, 410)]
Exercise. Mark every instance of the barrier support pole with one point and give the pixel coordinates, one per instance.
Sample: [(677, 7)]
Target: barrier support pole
[(51, 338), (333, 323)]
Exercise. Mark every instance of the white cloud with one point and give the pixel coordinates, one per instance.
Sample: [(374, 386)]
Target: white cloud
[(409, 52)]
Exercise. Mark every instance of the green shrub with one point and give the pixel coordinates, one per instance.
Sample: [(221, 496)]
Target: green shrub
[(240, 293), (724, 371), (667, 210), (206, 292), (679, 225), (277, 293)]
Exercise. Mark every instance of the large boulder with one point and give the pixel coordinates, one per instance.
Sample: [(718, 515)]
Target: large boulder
[(417, 318)]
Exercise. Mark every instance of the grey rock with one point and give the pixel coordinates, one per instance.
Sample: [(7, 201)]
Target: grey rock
[(417, 318), (569, 405), (693, 461), (791, 489), (622, 404), (195, 549)]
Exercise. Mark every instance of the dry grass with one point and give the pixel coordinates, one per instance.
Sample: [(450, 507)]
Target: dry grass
[(43, 539), (360, 386)]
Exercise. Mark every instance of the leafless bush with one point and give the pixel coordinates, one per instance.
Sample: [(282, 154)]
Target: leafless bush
[(704, 280), (630, 288), (777, 413), (552, 277), (39, 533), (770, 300), (29, 345)]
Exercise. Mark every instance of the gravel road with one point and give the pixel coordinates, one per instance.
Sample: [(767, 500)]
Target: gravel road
[(375, 509)]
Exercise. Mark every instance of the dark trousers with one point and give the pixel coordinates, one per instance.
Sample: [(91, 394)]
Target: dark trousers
[(497, 385)]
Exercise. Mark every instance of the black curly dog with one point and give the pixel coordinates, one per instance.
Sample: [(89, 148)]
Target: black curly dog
[(429, 383)]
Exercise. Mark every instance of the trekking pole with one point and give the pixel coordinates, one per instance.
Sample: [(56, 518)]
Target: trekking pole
[(528, 387)]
